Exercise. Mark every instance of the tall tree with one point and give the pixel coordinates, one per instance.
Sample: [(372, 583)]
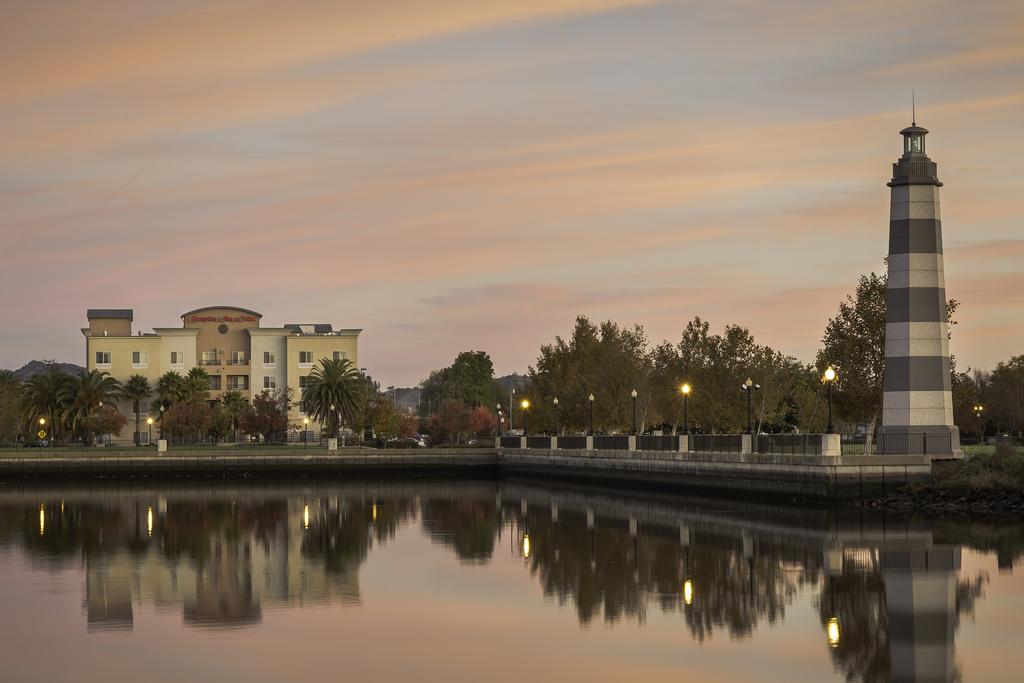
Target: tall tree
[(333, 393), (10, 407), (233, 404), (137, 390), (268, 414), (170, 389), (85, 395), (854, 344), (46, 396)]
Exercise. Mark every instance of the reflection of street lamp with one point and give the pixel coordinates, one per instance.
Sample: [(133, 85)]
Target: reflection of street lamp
[(526, 546), (685, 391), (688, 592), (830, 379), (591, 399), (525, 405), (149, 422), (749, 387), (833, 632), (555, 402), (633, 394), (305, 515)]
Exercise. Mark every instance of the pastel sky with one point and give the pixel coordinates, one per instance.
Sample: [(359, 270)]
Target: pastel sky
[(473, 174)]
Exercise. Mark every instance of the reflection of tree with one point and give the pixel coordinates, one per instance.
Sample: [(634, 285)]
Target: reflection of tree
[(342, 539), (467, 526), (857, 599), (607, 569)]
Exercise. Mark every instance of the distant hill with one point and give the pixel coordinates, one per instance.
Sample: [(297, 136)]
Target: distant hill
[(34, 367)]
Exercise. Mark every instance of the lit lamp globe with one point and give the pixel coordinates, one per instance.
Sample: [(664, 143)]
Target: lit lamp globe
[(685, 389), (42, 422), (830, 374)]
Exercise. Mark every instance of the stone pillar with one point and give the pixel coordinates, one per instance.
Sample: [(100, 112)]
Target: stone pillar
[(332, 444), (161, 446), (632, 442), (830, 445), (554, 443), (590, 443), (684, 443), (746, 444), (917, 406), (522, 442)]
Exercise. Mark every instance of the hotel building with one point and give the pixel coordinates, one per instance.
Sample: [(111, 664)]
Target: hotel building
[(228, 342)]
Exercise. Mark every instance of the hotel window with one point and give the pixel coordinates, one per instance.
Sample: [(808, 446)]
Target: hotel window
[(177, 359), (209, 358), (238, 382), (214, 382), (143, 407), (103, 359), (269, 382), (269, 359), (340, 355), (305, 359), (303, 381), (140, 359), (237, 358)]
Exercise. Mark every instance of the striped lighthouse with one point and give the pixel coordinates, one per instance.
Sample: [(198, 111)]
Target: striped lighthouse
[(917, 405)]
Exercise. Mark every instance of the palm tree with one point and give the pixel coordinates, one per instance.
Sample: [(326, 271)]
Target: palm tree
[(45, 397), (333, 393), (197, 384), (86, 394), (137, 390), (170, 388), (233, 404)]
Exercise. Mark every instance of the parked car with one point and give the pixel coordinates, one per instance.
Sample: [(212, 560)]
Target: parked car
[(405, 442)]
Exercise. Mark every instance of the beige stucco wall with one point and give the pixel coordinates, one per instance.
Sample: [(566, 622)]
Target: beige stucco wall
[(266, 339), (322, 346)]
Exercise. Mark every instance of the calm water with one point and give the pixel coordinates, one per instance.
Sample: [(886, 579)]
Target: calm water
[(483, 580)]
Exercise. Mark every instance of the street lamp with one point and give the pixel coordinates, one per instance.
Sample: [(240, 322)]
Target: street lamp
[(591, 399), (525, 405), (830, 379), (685, 391), (633, 394), (749, 387), (833, 632), (42, 428), (978, 410), (333, 424), (305, 431), (501, 419), (162, 422), (555, 402), (149, 422)]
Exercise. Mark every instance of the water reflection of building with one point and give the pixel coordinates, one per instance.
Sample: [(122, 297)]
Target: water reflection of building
[(920, 591)]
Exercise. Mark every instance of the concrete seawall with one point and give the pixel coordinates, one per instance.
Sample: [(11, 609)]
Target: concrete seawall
[(824, 477)]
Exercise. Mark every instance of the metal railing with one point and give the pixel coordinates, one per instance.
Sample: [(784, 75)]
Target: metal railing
[(716, 443), (572, 443), (510, 442), (651, 442), (788, 444), (919, 443), (538, 442), (237, 361), (615, 442), (209, 361)]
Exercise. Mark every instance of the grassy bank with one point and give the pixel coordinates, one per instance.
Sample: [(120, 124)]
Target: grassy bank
[(998, 468)]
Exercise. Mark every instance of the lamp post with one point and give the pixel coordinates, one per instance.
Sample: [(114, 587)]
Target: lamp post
[(555, 402), (162, 421), (633, 394), (749, 387), (978, 410), (333, 424), (149, 423), (305, 432), (685, 391), (525, 405), (501, 419), (42, 428), (830, 379), (591, 399)]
